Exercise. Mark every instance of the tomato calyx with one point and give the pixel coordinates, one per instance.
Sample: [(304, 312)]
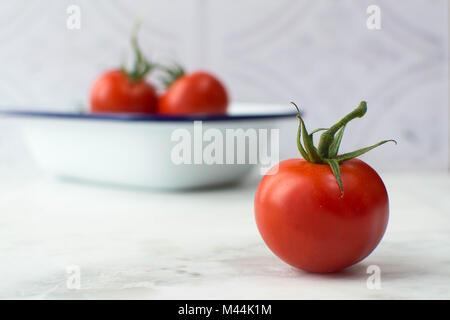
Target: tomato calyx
[(329, 143), (172, 74), (141, 66)]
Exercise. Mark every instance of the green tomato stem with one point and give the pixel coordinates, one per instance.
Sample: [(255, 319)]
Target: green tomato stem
[(141, 66), (330, 141), (326, 139)]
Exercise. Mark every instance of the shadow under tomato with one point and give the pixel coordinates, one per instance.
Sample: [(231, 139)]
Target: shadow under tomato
[(392, 268), (356, 271)]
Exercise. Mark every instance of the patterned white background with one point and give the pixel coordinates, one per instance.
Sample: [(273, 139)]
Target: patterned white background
[(316, 52)]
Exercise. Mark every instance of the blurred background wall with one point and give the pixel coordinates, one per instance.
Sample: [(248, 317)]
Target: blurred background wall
[(318, 53)]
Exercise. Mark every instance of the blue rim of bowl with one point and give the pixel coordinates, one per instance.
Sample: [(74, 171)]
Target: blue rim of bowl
[(142, 117)]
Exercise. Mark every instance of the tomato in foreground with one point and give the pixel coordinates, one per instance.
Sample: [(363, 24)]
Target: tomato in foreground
[(305, 222), (125, 91), (327, 211), (196, 93)]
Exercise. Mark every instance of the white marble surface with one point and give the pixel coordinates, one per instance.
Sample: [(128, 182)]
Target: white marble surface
[(204, 244)]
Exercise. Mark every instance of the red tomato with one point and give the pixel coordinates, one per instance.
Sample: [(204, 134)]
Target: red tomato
[(195, 93), (304, 220), (115, 92)]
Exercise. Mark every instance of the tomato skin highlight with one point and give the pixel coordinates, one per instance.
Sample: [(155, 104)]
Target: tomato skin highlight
[(114, 92), (304, 220), (195, 93)]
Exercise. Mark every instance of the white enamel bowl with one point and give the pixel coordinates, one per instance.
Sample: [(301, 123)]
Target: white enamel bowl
[(134, 150)]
